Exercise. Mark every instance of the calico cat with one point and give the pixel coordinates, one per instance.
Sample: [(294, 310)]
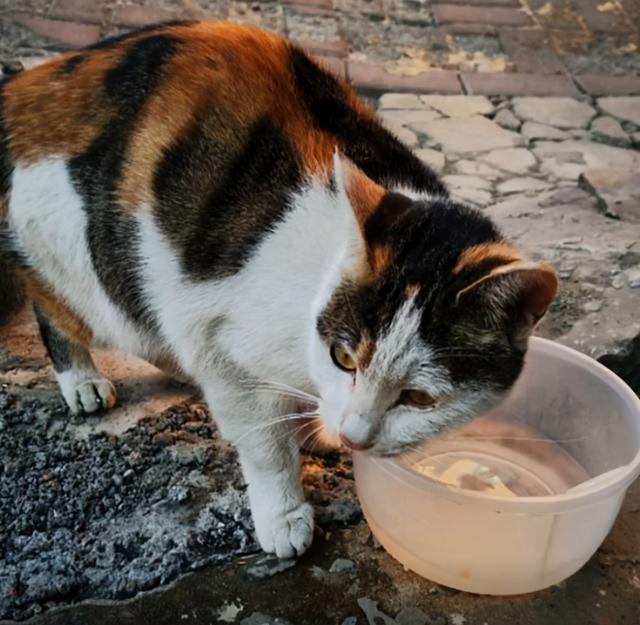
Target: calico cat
[(208, 197)]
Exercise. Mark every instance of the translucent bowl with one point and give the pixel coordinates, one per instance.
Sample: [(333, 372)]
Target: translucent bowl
[(490, 544)]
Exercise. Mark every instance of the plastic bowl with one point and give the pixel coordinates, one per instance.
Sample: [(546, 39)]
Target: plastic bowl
[(489, 544)]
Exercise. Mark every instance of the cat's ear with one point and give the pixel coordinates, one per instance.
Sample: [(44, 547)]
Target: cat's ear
[(364, 199), (515, 296)]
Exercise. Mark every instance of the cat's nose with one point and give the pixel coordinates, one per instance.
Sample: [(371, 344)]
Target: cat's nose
[(356, 446)]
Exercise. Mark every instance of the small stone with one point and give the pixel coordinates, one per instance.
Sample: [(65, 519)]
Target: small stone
[(617, 191), (178, 494), (516, 161), (432, 158), (411, 616), (593, 305), (617, 282), (340, 565), (459, 105), (400, 101), (609, 130), (570, 195), (522, 185), (469, 135), (350, 620), (626, 108), (476, 168), (507, 119), (534, 131), (633, 276), (373, 614), (318, 573), (558, 112)]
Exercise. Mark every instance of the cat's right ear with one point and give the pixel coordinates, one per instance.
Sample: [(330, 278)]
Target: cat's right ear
[(514, 296)]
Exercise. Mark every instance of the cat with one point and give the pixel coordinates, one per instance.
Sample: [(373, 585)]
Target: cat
[(210, 198)]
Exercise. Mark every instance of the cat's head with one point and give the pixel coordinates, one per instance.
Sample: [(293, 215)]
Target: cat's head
[(426, 326)]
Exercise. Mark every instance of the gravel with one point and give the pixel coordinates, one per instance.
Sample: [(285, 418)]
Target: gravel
[(107, 516)]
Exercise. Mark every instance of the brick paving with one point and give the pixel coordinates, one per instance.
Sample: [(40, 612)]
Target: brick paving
[(491, 47)]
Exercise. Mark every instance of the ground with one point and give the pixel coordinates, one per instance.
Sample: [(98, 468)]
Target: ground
[(490, 47), (140, 516)]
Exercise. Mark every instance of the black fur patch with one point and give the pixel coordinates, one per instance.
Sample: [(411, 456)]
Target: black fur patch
[(115, 40), (112, 234), (367, 143), (6, 166), (72, 63), (219, 193), (75, 61), (11, 288), (58, 347)]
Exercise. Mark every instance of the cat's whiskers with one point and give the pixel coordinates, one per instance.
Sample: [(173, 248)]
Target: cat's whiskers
[(294, 416), (285, 389), (316, 430)]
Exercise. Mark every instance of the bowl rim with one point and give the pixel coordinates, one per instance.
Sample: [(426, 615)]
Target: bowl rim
[(620, 481)]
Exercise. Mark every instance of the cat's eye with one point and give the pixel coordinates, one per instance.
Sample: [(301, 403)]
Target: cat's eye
[(418, 399), (342, 358)]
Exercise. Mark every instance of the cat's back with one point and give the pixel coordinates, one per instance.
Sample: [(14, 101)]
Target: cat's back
[(141, 93)]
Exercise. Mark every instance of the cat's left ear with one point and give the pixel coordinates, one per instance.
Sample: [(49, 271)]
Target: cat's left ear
[(516, 296)]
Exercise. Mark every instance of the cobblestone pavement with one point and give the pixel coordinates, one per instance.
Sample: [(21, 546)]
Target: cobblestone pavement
[(489, 47), (560, 177)]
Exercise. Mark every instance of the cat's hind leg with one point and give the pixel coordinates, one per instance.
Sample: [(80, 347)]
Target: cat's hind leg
[(83, 388)]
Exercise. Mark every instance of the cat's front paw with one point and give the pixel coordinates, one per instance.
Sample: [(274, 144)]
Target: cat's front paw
[(287, 535), (86, 394)]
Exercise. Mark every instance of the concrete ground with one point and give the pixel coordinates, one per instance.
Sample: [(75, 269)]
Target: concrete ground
[(140, 517)]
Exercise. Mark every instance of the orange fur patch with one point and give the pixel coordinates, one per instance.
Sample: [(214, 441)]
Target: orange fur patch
[(479, 253), (363, 193), (48, 112), (380, 258), (164, 122), (65, 320)]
